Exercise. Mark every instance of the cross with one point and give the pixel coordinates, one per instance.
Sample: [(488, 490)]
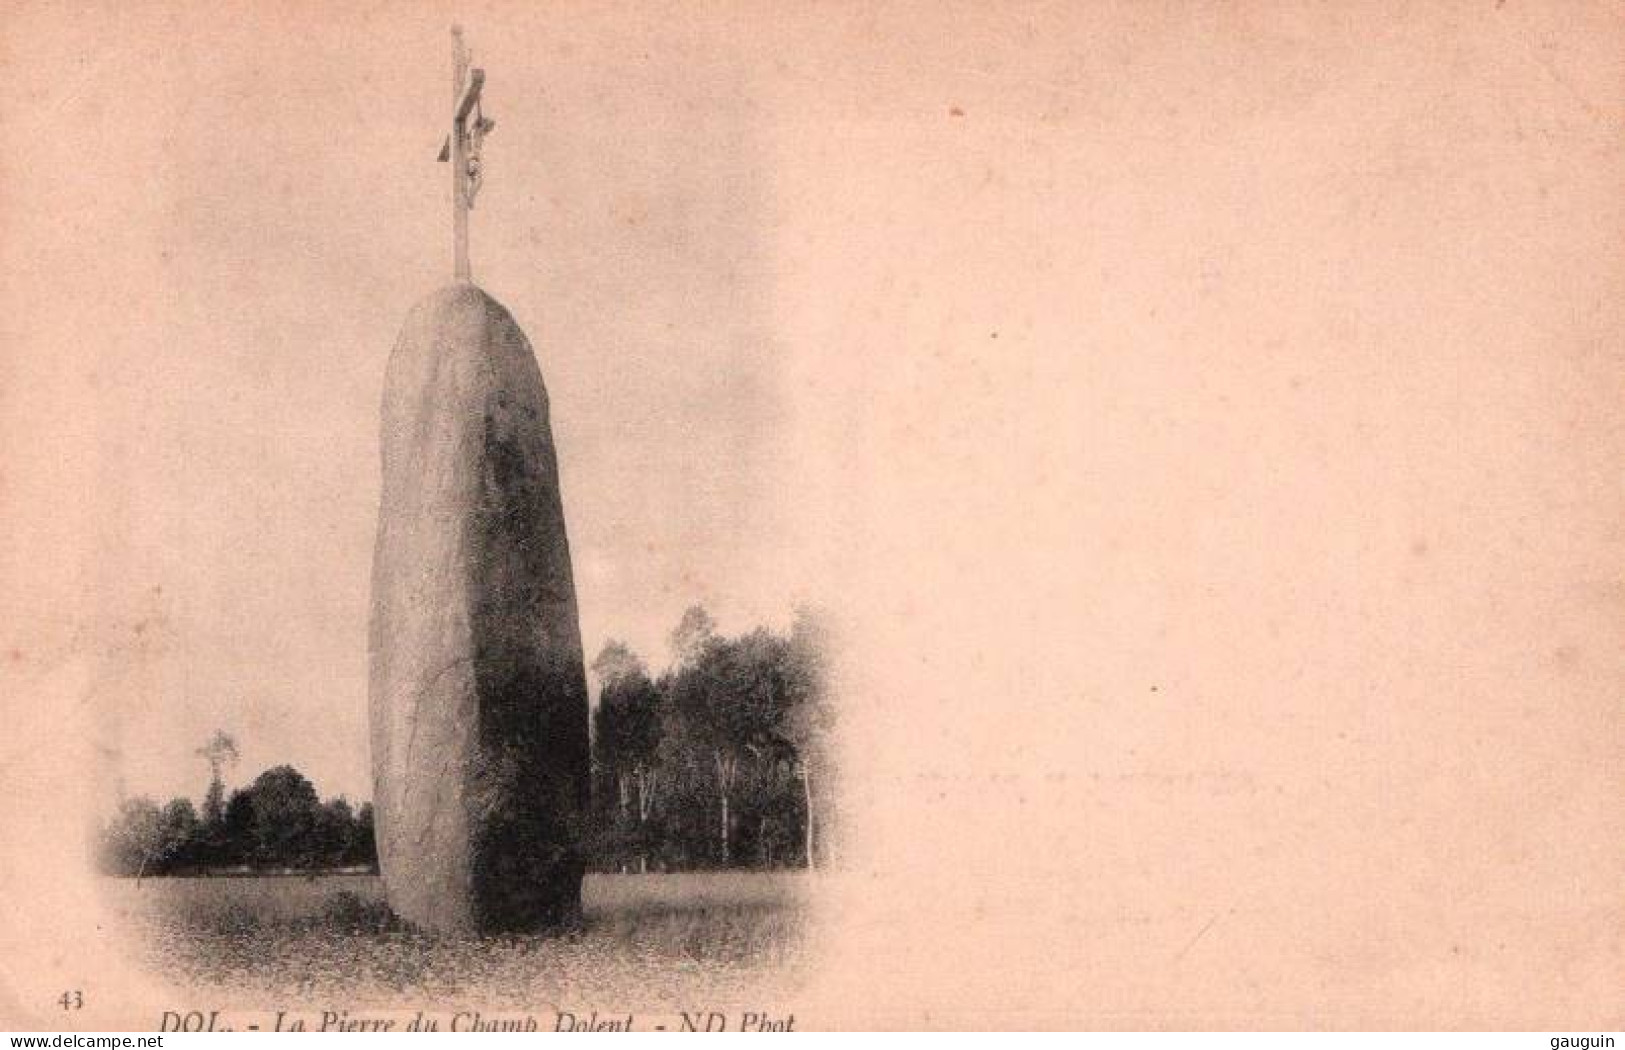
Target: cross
[(462, 147)]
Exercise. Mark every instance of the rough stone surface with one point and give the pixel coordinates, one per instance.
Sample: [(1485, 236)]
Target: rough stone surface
[(478, 694)]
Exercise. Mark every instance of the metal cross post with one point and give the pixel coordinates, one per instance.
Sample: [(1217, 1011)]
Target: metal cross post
[(462, 147)]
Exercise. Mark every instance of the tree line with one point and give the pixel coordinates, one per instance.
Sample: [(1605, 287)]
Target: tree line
[(720, 761), (277, 822)]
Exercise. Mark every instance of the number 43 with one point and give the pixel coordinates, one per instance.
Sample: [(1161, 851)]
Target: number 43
[(74, 1000)]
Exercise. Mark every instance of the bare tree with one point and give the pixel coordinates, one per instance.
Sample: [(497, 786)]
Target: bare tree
[(808, 713), (220, 751)]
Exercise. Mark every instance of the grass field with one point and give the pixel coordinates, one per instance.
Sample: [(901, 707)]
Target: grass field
[(651, 940)]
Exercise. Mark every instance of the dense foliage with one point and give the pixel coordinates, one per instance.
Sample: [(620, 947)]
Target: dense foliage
[(721, 761), (275, 823)]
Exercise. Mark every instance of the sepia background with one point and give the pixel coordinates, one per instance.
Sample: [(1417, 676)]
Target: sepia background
[(1202, 420)]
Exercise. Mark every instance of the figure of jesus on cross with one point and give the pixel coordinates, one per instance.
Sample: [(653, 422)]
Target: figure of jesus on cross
[(462, 147)]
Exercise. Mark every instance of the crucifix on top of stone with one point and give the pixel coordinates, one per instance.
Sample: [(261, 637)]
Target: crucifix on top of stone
[(462, 147)]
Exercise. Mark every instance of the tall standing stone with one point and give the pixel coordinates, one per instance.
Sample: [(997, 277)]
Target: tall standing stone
[(478, 693)]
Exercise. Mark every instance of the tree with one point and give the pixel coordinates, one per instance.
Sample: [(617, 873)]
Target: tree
[(363, 847), (691, 635), (809, 716), (133, 838), (331, 833), (221, 750), (626, 740), (616, 661), (178, 831), (768, 827), (726, 703), (237, 832), (285, 815)]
